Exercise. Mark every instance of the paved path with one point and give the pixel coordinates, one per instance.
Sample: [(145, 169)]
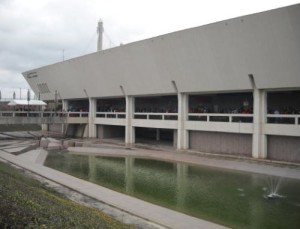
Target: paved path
[(168, 218)]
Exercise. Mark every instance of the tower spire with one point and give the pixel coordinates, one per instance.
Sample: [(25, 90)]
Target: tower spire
[(100, 31)]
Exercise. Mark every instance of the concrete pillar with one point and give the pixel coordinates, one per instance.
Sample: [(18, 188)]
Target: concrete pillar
[(64, 128), (92, 114), (182, 133), (259, 139), (157, 134), (65, 105), (129, 129), (45, 127)]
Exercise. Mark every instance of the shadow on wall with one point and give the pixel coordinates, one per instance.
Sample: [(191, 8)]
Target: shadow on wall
[(76, 130), (109, 131)]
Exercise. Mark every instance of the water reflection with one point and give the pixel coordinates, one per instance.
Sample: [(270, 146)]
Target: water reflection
[(234, 199), (129, 164), (182, 174)]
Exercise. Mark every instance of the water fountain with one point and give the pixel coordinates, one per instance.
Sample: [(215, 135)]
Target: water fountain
[(214, 194), (274, 184)]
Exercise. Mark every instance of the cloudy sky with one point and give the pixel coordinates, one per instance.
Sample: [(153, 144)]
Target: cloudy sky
[(34, 33)]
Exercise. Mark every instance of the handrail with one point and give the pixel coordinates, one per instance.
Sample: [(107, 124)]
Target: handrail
[(221, 117), (154, 115), (206, 117), (283, 118), (111, 115), (283, 115), (221, 114), (42, 114), (76, 114)]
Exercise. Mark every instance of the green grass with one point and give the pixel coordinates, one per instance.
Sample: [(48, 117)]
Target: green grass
[(26, 203)]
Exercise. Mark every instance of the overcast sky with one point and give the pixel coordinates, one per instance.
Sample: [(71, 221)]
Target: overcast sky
[(34, 33)]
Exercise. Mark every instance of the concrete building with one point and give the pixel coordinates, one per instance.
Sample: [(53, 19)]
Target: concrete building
[(231, 87)]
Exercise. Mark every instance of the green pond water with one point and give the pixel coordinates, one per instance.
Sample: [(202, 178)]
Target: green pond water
[(230, 198)]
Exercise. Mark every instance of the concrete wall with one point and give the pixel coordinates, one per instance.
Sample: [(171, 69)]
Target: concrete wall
[(214, 57), (105, 131), (55, 128), (156, 134), (165, 124), (284, 148), (76, 130), (223, 143)]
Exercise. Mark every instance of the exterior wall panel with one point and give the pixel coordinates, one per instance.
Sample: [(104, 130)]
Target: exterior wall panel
[(56, 128), (284, 148), (214, 57), (222, 143)]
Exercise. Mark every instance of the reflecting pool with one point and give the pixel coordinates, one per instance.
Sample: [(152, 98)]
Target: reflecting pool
[(230, 198)]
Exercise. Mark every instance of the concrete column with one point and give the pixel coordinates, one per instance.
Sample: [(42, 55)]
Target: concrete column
[(45, 127), (157, 134), (182, 133), (65, 105), (63, 128), (259, 139), (129, 129), (92, 114)]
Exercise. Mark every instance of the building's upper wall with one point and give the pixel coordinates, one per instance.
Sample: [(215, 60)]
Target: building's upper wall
[(215, 57)]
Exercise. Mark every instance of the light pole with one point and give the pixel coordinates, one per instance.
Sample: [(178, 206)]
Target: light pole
[(28, 99), (55, 101), (39, 98)]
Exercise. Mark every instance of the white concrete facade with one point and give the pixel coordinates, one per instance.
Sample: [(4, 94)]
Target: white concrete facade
[(259, 129), (256, 53)]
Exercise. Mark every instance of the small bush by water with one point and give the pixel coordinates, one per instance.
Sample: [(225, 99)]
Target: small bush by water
[(26, 203)]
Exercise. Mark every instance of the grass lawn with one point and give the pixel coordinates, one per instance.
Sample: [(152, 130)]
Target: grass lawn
[(27, 203)]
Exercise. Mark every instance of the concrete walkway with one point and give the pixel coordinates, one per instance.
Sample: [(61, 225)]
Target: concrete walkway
[(33, 160)]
